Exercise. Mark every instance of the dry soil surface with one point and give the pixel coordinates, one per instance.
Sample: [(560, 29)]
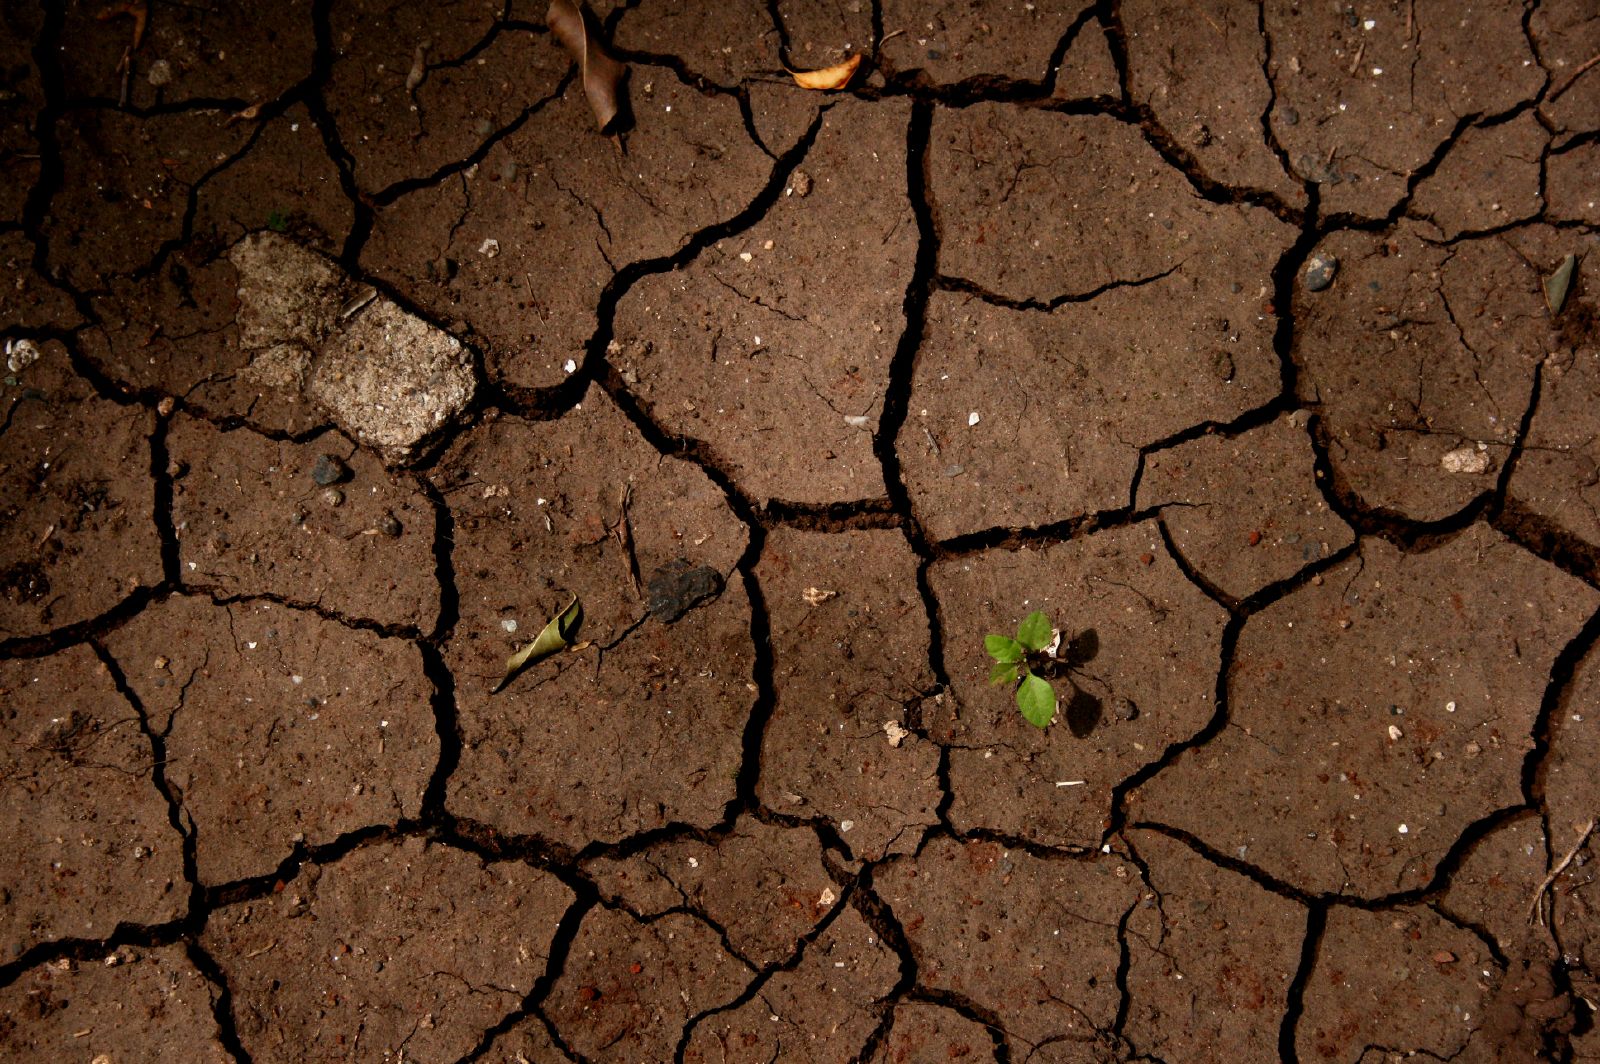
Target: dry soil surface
[(343, 350)]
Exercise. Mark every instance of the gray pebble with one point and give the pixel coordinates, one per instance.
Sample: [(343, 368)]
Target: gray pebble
[(1124, 709), (389, 524), (1320, 270), (329, 469), (333, 497), (299, 516)]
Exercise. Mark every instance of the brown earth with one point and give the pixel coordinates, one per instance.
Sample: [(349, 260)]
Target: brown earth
[(342, 351)]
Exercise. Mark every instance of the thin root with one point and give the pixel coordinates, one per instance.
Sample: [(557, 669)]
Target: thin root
[(1535, 913)]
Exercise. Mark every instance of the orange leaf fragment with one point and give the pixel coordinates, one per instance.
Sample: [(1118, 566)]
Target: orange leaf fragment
[(828, 78)]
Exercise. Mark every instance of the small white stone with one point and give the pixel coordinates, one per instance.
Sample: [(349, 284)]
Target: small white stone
[(745, 256), (1395, 733), (1465, 460), (489, 248), (973, 418), (570, 366), (846, 825), (509, 624), (1404, 830)]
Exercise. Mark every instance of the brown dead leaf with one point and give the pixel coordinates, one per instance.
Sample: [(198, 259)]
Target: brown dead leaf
[(828, 78), (602, 75)]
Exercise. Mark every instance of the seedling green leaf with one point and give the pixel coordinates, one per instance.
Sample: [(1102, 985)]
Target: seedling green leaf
[(555, 636), (1034, 631), (1005, 672), (1037, 700), (1003, 648)]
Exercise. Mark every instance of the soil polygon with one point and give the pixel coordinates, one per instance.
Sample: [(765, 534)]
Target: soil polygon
[(850, 662), (91, 845), (1569, 193), (413, 92), (1401, 979), (78, 532), (127, 186), (555, 200), (1363, 100), (239, 54), (823, 1007), (1134, 633), (1571, 791), (774, 345), (1369, 723), (1555, 476), (1022, 418), (1417, 351), (397, 948), (1493, 887), (1035, 943), (642, 727), (282, 729), (925, 1031), (1489, 179), (32, 301), (764, 886), (950, 41), (134, 1006), (250, 515), (726, 46), (1566, 34), (278, 184), (1202, 69), (820, 35), (1213, 957), (1244, 511), (630, 987), (1119, 214)]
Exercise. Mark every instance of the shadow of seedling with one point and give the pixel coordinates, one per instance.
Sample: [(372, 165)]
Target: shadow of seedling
[(1037, 659)]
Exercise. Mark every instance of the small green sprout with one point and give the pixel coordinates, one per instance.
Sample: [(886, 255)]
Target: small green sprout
[(1012, 665), (277, 221)]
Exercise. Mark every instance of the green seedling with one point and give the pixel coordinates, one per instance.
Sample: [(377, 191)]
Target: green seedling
[(277, 221), (1014, 664)]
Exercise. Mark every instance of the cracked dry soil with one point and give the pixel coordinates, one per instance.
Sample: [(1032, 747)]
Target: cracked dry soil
[(342, 349)]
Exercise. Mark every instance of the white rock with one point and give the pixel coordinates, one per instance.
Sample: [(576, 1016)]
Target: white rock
[(1466, 460)]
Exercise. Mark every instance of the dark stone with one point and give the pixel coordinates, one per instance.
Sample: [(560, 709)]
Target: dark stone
[(678, 587), (1320, 271), (329, 470)]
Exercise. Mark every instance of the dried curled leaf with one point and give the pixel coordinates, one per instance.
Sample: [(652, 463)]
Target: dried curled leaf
[(602, 75), (555, 636), (828, 78), (1557, 284)]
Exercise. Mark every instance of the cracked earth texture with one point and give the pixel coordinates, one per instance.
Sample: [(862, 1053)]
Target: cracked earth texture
[(342, 350)]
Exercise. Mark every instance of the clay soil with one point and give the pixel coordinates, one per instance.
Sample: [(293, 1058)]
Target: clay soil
[(343, 350)]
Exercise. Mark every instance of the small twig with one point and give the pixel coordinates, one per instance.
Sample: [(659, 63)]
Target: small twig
[(623, 530), (1356, 62), (1576, 74), (1555, 873)]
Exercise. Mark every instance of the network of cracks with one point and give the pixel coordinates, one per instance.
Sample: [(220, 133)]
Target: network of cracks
[(343, 352)]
